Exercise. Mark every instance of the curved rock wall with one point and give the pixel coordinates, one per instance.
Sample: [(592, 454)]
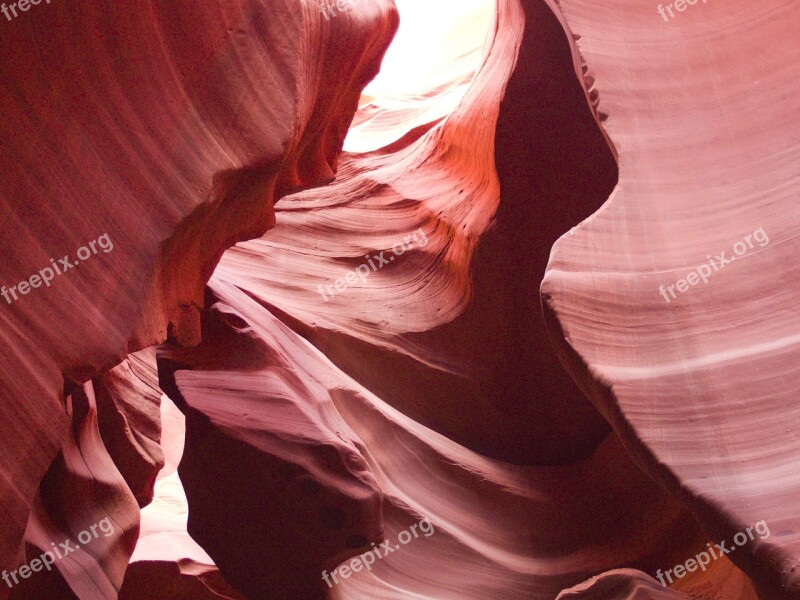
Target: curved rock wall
[(696, 379), (366, 399)]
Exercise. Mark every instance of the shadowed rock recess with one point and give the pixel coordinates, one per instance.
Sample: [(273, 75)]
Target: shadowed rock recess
[(381, 299)]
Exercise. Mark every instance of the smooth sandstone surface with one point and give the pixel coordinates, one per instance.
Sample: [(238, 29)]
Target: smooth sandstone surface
[(448, 325), (701, 111), (488, 517), (322, 401), (622, 584), (518, 532), (172, 129)]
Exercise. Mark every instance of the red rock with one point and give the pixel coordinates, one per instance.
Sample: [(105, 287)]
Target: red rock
[(128, 399), (83, 510), (176, 581), (172, 131), (624, 584), (701, 388), (329, 409), (488, 516), (445, 318), (292, 481), (720, 579)]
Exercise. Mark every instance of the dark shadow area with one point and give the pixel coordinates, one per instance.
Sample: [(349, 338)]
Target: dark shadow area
[(555, 170)]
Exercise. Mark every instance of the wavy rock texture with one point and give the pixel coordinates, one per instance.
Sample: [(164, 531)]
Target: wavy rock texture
[(379, 356), (720, 580), (444, 317), (701, 387), (82, 489), (172, 130), (623, 584), (128, 399), (487, 515), (490, 516), (297, 493)]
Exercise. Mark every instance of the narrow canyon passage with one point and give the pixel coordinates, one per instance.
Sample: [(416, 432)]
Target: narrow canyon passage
[(370, 300)]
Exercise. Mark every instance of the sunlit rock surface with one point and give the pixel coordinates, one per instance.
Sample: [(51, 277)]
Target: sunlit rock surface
[(167, 562)]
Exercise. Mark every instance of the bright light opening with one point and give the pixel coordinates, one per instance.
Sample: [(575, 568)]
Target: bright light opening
[(426, 71)]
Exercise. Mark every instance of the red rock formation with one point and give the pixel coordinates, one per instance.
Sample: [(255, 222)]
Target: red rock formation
[(128, 399), (719, 580), (623, 584), (498, 530), (171, 131), (487, 515), (296, 494), (444, 318), (329, 400), (167, 562), (697, 381), (84, 515)]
